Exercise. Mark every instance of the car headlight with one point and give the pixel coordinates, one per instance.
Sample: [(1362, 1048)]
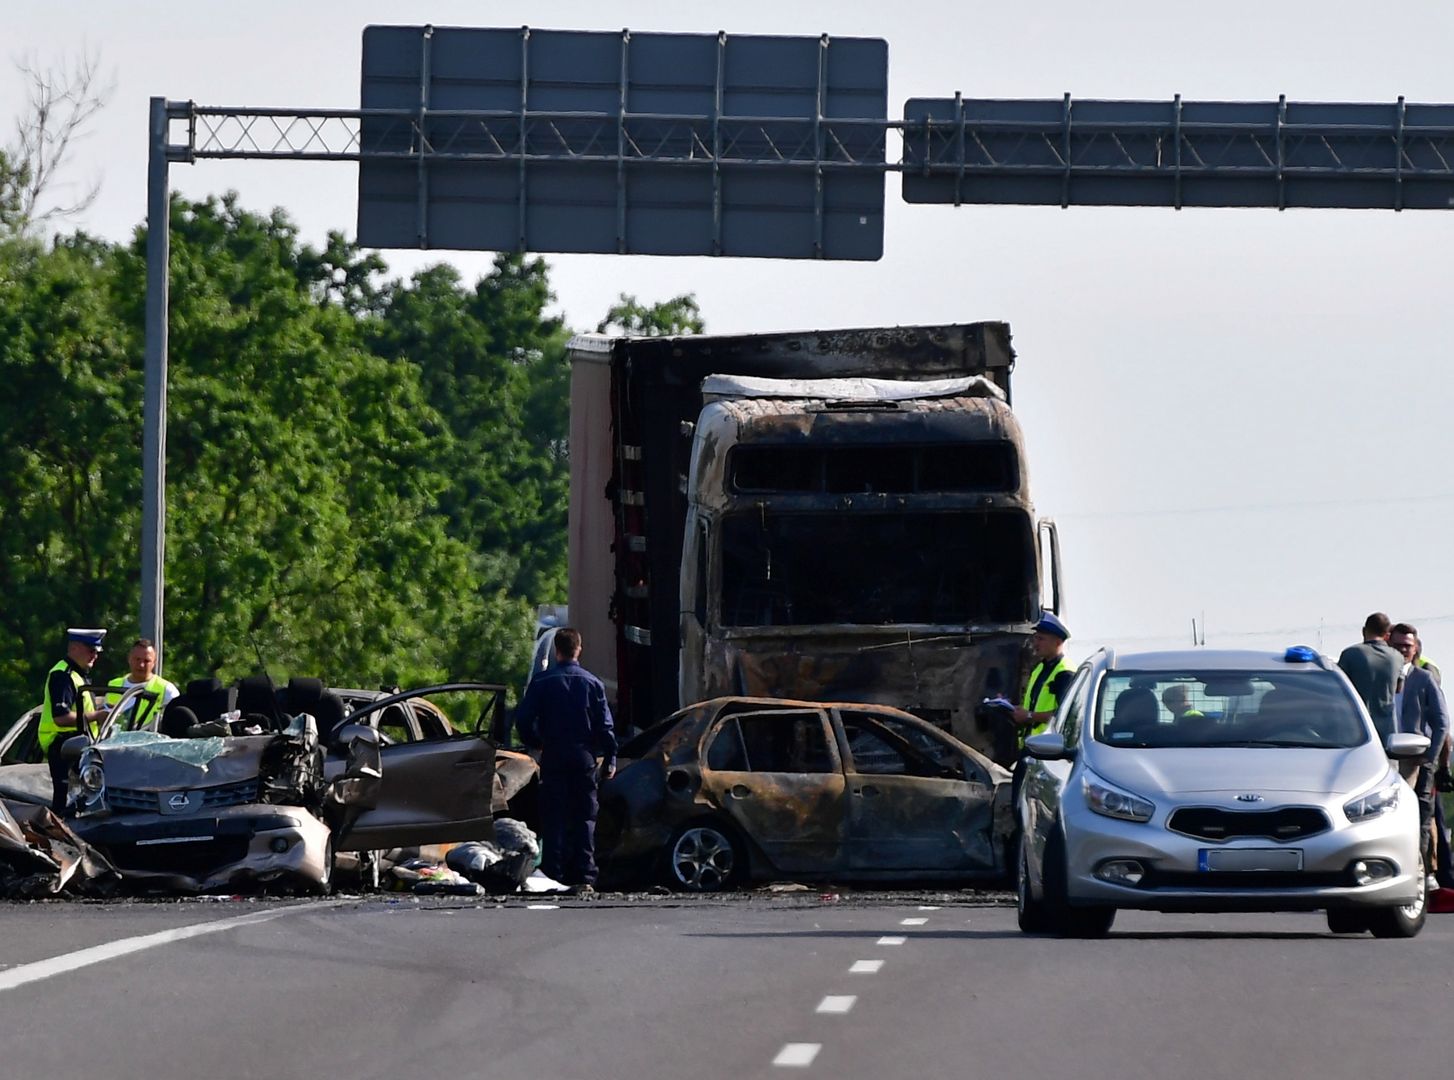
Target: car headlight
[(1114, 803), (1380, 800), (91, 777)]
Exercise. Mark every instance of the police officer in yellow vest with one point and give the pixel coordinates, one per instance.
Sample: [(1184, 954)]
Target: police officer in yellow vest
[(65, 707), (1049, 679), (141, 662)]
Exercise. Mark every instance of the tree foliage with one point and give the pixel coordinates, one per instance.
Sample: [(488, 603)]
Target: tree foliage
[(629, 317), (367, 479)]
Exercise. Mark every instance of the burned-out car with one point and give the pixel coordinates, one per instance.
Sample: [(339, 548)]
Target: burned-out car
[(253, 785), (737, 789)]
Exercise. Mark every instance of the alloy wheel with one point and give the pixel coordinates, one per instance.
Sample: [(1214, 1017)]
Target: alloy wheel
[(703, 859)]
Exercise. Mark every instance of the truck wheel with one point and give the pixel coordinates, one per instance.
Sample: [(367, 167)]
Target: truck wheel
[(1402, 922), (704, 856)]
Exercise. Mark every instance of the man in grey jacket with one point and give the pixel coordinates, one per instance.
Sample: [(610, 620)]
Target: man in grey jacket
[(1423, 711), (1372, 666)]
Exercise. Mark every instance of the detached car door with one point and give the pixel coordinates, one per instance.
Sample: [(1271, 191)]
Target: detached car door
[(437, 784), (916, 800), (776, 774)]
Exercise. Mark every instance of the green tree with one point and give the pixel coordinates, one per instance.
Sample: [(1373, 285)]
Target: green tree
[(628, 317), (366, 478), (492, 363), (64, 517)]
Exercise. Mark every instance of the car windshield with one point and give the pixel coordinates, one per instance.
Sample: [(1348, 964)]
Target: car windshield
[(1228, 709)]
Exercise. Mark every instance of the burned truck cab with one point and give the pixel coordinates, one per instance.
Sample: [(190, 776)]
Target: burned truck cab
[(823, 515), (858, 539)]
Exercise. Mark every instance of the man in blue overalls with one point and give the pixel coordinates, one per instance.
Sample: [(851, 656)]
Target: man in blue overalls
[(564, 713)]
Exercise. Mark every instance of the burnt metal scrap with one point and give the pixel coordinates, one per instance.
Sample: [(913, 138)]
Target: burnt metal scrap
[(41, 857)]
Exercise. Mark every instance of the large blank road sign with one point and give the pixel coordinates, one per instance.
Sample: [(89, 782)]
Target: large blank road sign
[(663, 144), (1060, 152)]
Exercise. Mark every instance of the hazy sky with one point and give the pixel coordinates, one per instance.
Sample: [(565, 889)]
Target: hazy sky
[(1237, 412)]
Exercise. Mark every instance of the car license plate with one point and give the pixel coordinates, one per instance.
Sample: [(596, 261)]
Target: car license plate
[(1274, 860)]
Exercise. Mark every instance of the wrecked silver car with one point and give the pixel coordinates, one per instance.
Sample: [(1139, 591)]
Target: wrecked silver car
[(738, 789), (253, 786)]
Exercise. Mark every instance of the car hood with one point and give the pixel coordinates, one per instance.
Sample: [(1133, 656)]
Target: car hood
[(156, 763), (1240, 770)]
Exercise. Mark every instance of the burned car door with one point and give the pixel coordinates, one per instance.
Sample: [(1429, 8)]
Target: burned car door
[(916, 800), (776, 774), (437, 784)]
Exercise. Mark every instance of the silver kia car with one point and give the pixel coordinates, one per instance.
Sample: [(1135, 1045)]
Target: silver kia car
[(1204, 780)]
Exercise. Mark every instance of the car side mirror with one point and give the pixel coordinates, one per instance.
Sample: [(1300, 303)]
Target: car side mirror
[(73, 747), (1406, 745), (1048, 746)]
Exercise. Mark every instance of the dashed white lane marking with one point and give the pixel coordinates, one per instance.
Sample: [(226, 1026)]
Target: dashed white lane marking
[(797, 1055), (912, 922), (833, 1004), (22, 974), (542, 907), (865, 967), (928, 907), (891, 939)]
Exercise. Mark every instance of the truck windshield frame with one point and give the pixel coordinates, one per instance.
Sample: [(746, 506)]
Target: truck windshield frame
[(957, 567), (991, 466)]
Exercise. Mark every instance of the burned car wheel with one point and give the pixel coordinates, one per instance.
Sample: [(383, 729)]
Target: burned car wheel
[(704, 857)]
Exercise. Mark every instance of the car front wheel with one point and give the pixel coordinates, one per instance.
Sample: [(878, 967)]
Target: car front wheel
[(1033, 917), (1401, 922)]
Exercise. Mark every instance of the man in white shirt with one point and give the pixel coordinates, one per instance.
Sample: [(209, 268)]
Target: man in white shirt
[(142, 662)]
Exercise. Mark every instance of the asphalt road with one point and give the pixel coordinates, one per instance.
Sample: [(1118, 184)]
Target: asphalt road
[(606, 989)]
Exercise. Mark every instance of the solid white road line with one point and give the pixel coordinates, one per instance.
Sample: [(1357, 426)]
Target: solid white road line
[(797, 1055), (891, 939), (912, 922), (865, 967), (23, 974), (928, 907), (542, 907), (832, 1004)]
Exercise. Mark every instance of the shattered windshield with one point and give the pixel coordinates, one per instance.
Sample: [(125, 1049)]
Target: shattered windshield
[(198, 752), (871, 568), (1228, 709)]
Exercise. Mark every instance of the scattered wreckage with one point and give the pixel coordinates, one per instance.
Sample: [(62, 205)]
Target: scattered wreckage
[(737, 789), (255, 786)]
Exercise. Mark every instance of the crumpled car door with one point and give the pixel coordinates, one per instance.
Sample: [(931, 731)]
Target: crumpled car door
[(436, 789), (432, 792), (916, 802)]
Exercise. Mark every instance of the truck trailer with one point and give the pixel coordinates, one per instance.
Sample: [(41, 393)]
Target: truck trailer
[(829, 515)]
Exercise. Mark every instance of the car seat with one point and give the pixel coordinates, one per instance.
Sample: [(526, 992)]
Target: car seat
[(202, 701), (257, 700), (312, 697)]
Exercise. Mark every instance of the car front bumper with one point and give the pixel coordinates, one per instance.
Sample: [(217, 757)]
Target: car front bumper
[(1176, 876), (233, 847)]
